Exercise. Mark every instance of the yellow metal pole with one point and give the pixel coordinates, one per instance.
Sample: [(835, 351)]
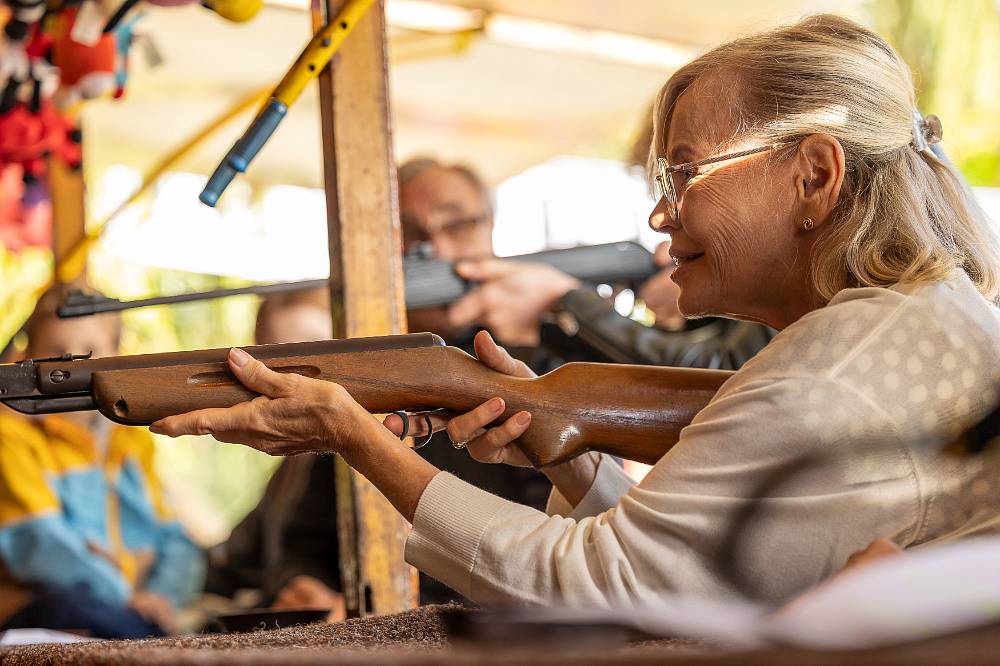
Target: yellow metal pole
[(71, 263)]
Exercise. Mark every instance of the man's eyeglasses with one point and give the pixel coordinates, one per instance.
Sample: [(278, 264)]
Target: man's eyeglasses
[(460, 230), (671, 180)]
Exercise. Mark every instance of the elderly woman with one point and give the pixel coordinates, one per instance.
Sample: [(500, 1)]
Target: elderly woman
[(799, 191)]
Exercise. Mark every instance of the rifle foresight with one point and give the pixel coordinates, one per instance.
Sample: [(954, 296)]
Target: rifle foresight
[(635, 412)]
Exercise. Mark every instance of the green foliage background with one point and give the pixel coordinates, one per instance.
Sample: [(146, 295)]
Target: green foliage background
[(953, 48)]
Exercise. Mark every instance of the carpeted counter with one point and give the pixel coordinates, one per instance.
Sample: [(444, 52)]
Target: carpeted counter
[(417, 638)]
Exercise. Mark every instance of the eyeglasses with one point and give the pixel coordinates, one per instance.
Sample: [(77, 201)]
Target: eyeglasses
[(666, 175), (460, 231)]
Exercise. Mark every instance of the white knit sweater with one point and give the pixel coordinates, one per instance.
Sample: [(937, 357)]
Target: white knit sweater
[(860, 396)]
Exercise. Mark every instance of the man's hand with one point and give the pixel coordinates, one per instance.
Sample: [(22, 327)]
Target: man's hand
[(312, 593), (511, 297), (293, 414), (154, 609), (660, 293)]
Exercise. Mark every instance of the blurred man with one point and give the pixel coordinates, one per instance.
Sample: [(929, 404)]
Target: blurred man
[(87, 540), (447, 212)]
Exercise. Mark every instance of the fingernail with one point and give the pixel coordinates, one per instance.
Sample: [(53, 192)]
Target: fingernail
[(238, 357), (496, 405), (524, 418), (156, 429)]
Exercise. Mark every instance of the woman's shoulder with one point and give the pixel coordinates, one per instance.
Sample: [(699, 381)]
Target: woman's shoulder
[(912, 350), (924, 320)]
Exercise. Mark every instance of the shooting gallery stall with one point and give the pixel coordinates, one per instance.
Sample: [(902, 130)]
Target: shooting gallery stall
[(501, 86), (310, 192)]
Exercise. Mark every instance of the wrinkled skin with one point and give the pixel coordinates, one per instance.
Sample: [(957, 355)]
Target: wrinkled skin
[(744, 215)]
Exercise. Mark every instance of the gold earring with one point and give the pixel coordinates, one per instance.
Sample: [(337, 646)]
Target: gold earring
[(808, 224)]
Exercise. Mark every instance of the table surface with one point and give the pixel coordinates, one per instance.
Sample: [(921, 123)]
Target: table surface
[(418, 638)]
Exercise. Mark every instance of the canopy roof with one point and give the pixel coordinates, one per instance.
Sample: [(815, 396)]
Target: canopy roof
[(543, 79)]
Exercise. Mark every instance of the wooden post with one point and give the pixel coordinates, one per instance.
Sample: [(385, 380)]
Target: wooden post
[(366, 286), (66, 189)]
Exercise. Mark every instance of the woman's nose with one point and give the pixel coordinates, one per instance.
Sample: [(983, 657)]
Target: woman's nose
[(662, 219)]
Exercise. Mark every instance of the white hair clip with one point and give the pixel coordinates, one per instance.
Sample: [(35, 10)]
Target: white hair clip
[(925, 131)]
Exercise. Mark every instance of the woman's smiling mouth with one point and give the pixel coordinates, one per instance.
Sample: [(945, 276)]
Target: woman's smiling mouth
[(682, 258)]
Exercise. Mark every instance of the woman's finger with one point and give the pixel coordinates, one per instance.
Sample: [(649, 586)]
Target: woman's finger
[(491, 447), (258, 377), (394, 424), (466, 426), (207, 421), (481, 270), (494, 356)]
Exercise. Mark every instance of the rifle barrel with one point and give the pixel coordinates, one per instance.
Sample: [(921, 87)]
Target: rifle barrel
[(429, 282)]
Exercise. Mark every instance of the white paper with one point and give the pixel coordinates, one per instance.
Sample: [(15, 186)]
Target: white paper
[(33, 636), (940, 590)]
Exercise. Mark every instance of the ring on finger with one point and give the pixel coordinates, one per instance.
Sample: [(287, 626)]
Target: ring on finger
[(462, 444)]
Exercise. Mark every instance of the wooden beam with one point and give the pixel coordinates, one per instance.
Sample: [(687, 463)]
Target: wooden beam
[(66, 188), (366, 286)]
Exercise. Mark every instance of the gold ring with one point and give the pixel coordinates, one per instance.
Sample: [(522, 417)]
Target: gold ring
[(461, 445)]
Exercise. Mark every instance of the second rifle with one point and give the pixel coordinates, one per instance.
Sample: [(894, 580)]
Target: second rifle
[(429, 282)]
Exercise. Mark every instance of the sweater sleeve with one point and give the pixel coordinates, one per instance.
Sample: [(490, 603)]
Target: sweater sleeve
[(610, 483), (751, 487)]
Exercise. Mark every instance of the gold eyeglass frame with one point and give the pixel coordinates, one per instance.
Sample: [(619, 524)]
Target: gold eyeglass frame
[(666, 184)]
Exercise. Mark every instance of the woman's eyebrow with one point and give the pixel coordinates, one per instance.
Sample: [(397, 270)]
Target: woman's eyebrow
[(680, 153)]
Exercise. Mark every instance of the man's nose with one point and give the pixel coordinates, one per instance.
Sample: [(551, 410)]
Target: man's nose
[(444, 247), (662, 219)]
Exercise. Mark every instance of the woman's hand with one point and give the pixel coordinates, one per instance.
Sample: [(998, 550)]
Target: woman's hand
[(296, 414), (292, 414), (495, 445), (490, 445)]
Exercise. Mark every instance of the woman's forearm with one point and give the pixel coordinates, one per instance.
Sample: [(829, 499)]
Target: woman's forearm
[(574, 478), (392, 467)]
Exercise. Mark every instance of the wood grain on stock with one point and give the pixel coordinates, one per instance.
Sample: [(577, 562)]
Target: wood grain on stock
[(635, 412)]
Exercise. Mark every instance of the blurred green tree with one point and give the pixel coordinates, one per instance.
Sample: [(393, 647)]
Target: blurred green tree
[(953, 48)]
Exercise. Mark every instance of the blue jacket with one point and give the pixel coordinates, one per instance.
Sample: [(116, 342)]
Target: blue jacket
[(73, 512)]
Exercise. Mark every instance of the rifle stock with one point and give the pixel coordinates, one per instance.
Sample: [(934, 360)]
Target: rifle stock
[(635, 412)]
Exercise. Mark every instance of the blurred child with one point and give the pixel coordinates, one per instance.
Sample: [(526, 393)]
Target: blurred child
[(87, 541)]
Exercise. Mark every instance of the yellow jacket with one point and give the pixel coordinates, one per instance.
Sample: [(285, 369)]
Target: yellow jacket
[(73, 511)]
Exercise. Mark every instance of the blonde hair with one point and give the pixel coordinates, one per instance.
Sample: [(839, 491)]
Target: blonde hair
[(903, 215)]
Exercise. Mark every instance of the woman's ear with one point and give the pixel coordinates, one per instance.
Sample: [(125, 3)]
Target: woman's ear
[(819, 176)]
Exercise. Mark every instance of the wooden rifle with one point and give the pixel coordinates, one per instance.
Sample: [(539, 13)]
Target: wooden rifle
[(632, 411)]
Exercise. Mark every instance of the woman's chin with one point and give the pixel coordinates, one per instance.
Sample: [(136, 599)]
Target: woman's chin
[(691, 306)]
